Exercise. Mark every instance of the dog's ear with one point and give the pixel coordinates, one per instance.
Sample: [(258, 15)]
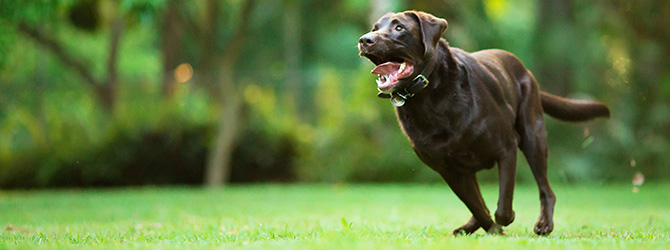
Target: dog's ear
[(432, 29)]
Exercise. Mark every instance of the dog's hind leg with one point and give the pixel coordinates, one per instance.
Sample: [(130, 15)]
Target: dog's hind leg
[(530, 126), (536, 153), (466, 187)]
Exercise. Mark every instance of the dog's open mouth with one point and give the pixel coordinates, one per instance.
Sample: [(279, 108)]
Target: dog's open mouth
[(390, 74)]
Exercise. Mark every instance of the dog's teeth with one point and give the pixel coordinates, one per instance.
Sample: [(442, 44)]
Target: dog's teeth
[(402, 67), (379, 81)]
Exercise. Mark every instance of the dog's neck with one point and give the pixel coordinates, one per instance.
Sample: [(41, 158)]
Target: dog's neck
[(446, 77), (449, 82), (448, 64)]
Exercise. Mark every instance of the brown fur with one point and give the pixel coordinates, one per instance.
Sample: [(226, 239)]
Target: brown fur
[(478, 109)]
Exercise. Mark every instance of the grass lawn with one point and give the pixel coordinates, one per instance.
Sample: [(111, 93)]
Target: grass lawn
[(414, 216)]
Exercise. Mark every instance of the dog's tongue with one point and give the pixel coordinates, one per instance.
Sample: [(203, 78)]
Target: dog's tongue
[(387, 68)]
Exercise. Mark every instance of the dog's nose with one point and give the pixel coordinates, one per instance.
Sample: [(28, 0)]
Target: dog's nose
[(367, 40)]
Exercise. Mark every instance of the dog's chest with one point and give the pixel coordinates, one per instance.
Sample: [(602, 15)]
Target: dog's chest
[(438, 146), (453, 145)]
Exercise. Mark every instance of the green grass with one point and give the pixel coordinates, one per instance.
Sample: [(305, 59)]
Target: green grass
[(326, 216)]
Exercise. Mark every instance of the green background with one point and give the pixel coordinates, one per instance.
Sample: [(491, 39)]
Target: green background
[(307, 110)]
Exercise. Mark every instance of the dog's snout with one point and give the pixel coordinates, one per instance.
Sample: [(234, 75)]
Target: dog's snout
[(367, 40)]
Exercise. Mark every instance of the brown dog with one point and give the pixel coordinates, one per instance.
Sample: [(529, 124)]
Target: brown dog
[(464, 112)]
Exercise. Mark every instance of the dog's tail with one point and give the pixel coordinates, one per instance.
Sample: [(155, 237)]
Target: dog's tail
[(572, 110)]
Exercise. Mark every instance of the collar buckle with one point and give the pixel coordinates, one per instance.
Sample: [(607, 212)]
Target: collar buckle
[(421, 79)]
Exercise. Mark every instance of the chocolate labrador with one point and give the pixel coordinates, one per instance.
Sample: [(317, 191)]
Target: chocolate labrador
[(464, 112)]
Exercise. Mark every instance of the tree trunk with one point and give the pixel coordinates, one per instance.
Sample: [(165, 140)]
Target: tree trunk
[(555, 22), (218, 163), (171, 44), (293, 52), (108, 90)]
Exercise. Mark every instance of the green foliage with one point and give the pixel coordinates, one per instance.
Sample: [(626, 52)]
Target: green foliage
[(314, 116), (325, 217), (81, 147), (32, 11)]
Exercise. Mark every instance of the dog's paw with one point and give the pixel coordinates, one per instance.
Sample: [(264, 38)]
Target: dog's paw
[(467, 229), (504, 219), (544, 226), (463, 231), (495, 229)]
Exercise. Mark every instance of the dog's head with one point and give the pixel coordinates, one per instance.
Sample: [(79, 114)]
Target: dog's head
[(397, 43)]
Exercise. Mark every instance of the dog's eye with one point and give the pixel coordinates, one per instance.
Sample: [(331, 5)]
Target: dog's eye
[(374, 28), (399, 28)]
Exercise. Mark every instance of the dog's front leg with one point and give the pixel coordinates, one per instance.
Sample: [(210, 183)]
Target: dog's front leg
[(507, 175), (469, 227), (466, 188)]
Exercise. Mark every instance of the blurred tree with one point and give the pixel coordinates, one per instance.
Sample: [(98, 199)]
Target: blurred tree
[(284, 78), (104, 88), (555, 34), (218, 164), (211, 34), (171, 38), (293, 48), (643, 69), (85, 15)]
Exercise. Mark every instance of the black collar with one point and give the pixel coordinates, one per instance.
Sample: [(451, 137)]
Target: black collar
[(420, 82)]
